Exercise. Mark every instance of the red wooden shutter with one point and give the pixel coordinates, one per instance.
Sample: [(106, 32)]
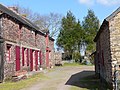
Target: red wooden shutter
[(27, 57), (31, 60), (23, 61), (17, 58), (102, 58), (36, 60)]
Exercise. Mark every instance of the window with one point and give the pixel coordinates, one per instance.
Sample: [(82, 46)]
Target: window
[(8, 53)]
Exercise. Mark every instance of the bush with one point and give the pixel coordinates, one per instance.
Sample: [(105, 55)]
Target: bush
[(76, 56)]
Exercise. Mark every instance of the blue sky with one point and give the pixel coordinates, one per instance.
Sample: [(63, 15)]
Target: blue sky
[(102, 8)]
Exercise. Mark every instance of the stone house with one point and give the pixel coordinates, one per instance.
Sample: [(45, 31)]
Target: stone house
[(107, 53), (23, 47)]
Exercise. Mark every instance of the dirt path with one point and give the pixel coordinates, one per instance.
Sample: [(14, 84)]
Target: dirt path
[(62, 78)]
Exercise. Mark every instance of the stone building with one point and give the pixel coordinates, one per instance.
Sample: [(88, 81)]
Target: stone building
[(58, 58), (23, 47), (107, 53)]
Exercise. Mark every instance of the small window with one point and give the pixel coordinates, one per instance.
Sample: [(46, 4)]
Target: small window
[(8, 53), (20, 26)]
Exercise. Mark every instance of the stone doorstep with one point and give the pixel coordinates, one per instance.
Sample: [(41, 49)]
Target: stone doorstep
[(20, 75)]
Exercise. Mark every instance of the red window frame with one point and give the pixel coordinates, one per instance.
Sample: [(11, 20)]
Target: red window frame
[(102, 58)]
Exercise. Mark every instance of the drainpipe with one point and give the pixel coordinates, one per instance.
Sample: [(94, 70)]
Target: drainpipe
[(1, 52)]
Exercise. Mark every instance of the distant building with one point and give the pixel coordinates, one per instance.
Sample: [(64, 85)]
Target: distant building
[(58, 58)]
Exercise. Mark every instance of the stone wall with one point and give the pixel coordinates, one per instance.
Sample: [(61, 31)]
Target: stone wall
[(17, 34), (58, 57), (51, 46), (114, 25), (41, 44), (103, 53), (115, 37), (108, 48)]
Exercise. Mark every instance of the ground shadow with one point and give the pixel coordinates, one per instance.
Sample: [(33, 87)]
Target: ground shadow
[(85, 79)]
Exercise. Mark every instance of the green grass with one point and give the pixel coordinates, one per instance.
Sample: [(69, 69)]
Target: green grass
[(72, 64), (23, 83), (77, 88)]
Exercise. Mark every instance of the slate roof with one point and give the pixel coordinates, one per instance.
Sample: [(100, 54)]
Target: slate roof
[(106, 20), (25, 21), (14, 15)]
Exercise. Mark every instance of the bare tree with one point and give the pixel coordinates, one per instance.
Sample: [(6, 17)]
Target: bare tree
[(49, 22)]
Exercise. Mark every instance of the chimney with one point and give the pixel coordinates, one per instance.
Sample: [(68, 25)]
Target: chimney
[(14, 9), (24, 15)]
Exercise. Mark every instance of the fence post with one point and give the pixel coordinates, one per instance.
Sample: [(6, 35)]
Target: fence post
[(116, 77)]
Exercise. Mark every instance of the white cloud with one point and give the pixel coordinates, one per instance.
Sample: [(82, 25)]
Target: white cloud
[(108, 2), (102, 2), (87, 2)]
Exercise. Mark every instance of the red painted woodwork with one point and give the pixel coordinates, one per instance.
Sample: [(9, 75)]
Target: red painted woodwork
[(36, 60), (27, 57), (102, 58), (23, 61), (17, 58), (31, 60)]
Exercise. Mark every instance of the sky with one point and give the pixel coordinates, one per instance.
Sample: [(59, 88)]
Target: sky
[(79, 8)]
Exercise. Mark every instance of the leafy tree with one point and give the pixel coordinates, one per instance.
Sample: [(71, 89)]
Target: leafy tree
[(66, 38), (90, 26), (70, 34), (76, 56)]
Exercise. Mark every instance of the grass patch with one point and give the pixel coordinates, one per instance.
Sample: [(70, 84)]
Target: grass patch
[(77, 88), (72, 64), (23, 83)]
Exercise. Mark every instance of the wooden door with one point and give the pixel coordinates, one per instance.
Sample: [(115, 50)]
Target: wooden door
[(17, 58)]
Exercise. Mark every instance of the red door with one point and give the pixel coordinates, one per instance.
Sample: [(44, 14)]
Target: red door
[(17, 58), (27, 57), (36, 60), (23, 62), (31, 60)]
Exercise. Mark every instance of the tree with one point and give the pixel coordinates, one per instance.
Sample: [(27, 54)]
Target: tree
[(90, 26), (76, 56), (70, 34), (49, 22)]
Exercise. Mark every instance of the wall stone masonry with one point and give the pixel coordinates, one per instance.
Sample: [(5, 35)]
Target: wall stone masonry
[(108, 47), (17, 31)]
